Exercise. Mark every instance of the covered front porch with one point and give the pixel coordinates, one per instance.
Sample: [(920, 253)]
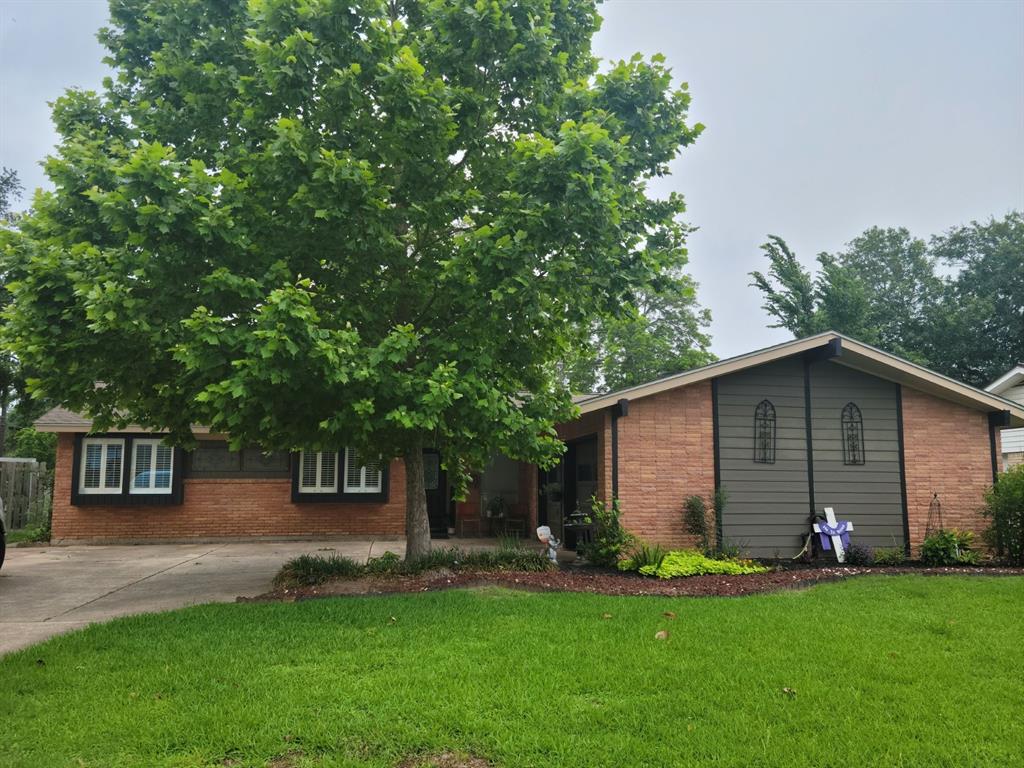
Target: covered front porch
[(511, 498)]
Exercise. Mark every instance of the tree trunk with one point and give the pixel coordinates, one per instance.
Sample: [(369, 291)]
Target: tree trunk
[(3, 426), (417, 524)]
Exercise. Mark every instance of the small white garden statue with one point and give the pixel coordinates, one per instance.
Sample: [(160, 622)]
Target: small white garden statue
[(834, 534), (544, 534)]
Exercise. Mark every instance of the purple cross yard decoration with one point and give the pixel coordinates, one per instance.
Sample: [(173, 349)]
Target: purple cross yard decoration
[(834, 534)]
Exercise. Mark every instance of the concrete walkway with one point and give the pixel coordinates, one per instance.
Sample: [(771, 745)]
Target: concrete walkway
[(48, 590)]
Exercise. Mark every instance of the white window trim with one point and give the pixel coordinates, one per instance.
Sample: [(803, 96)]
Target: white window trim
[(319, 487), (103, 488), (136, 490), (363, 487)]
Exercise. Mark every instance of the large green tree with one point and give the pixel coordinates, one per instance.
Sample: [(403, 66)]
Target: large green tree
[(977, 329), (965, 320), (880, 289), (376, 223)]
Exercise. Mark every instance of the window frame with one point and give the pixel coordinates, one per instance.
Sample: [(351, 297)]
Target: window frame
[(103, 489), (362, 489), (342, 493), (319, 487), (155, 443), (125, 495)]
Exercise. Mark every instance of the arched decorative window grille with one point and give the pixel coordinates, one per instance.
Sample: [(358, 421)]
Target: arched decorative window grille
[(853, 435), (764, 433)]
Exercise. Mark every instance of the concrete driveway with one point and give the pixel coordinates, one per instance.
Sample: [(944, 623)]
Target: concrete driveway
[(48, 590)]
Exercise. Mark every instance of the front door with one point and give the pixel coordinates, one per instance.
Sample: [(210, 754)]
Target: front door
[(437, 494)]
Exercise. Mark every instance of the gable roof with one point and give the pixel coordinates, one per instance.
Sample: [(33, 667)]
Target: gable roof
[(840, 349), (1012, 378), (62, 420), (832, 345)]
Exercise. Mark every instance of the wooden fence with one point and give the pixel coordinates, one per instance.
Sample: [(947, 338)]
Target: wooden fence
[(26, 488)]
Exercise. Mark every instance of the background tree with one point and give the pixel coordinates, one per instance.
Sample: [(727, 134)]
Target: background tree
[(885, 289), (878, 290), (789, 292), (10, 188), (369, 223), (10, 371), (664, 332), (977, 329)]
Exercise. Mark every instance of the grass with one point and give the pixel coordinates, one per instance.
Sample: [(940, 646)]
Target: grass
[(880, 671)]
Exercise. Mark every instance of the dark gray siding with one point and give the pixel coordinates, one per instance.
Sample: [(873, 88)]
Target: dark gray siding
[(768, 509), (868, 494)]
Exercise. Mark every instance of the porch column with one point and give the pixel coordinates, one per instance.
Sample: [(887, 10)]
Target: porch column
[(528, 496)]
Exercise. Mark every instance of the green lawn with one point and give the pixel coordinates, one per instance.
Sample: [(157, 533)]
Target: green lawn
[(888, 671)]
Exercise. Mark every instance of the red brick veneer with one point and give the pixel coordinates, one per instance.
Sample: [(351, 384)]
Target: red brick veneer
[(214, 509), (946, 451), (666, 453)]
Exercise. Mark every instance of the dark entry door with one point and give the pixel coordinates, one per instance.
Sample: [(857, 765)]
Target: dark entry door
[(437, 495), (579, 469)]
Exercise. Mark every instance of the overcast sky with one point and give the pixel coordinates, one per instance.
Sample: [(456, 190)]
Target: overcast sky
[(822, 119)]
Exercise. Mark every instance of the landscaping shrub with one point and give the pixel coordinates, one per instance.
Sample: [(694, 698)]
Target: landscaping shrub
[(950, 547), (889, 556), (386, 563), (610, 541), (1004, 505), (307, 570), (644, 556), (690, 562), (859, 554), (695, 518), (504, 559)]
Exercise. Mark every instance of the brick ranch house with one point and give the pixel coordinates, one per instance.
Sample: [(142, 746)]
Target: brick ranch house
[(785, 431)]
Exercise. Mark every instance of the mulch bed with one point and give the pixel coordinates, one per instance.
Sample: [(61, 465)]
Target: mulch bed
[(604, 582)]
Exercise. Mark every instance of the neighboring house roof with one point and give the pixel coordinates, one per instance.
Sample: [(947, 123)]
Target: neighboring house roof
[(1011, 386), (844, 351), (1012, 379)]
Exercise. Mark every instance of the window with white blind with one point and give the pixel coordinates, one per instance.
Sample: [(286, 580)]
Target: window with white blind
[(361, 476), (101, 465), (152, 466), (318, 472)]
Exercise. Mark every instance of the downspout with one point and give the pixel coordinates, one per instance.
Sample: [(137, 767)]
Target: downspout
[(996, 421), (716, 450), (621, 408)]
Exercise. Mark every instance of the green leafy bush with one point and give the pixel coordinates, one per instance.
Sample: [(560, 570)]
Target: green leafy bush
[(859, 554), (35, 534), (695, 518), (644, 556), (1004, 505), (610, 541), (386, 563), (41, 446), (690, 562), (889, 556), (952, 547)]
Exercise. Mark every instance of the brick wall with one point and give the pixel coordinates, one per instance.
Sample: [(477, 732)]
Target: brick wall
[(666, 453), (946, 451), (222, 508)]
